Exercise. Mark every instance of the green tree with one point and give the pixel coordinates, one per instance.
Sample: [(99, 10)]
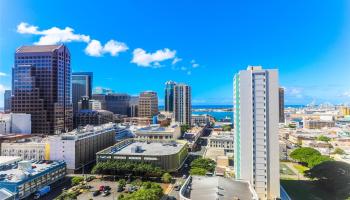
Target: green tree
[(76, 180), (316, 160), (226, 128), (148, 191), (121, 183), (198, 171), (339, 151), (204, 163), (166, 178), (303, 154), (185, 128), (332, 176), (323, 138)]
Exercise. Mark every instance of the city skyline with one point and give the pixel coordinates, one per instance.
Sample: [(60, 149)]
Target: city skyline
[(204, 51)]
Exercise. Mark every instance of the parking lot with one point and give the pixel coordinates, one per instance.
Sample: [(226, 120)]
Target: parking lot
[(95, 186)]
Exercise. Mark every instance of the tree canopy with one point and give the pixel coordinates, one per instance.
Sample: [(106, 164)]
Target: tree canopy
[(323, 138), (333, 176), (309, 156), (201, 166), (148, 191)]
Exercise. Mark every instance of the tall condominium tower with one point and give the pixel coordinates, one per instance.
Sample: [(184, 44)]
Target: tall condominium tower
[(281, 104), (41, 87), (182, 104), (81, 87), (148, 104), (169, 96), (256, 115), (7, 101)]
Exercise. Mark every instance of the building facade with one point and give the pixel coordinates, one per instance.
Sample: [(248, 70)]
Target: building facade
[(79, 147), (182, 104), (133, 106), (256, 114), (17, 123), (81, 87), (148, 104), (169, 96), (26, 149), (42, 87), (93, 117), (117, 103), (281, 104), (7, 101)]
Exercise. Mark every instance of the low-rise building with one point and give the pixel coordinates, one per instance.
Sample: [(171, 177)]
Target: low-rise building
[(317, 124), (24, 178), (79, 147), (155, 131), (202, 120), (169, 155), (216, 187), (192, 136), (221, 140), (137, 121), (18, 123), (27, 149)]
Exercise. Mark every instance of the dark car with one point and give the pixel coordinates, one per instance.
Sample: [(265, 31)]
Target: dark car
[(120, 189), (106, 193), (96, 193), (107, 188)]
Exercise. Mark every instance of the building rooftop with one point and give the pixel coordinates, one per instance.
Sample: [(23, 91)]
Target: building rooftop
[(23, 170), (153, 148), (219, 188), (156, 128), (5, 160), (37, 48)]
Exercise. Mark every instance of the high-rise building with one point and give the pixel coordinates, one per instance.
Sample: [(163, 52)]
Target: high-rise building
[(7, 101), (148, 104), (133, 106), (182, 104), (81, 87), (281, 104), (118, 103), (42, 87), (256, 115), (169, 96)]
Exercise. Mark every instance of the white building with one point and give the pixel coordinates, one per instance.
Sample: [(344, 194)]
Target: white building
[(182, 104), (27, 149), (79, 147), (155, 131), (19, 123), (221, 140), (256, 115)]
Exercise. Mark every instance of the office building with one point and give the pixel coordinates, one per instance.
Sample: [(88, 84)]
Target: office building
[(23, 178), (169, 155), (7, 101), (117, 103), (17, 123), (221, 140), (317, 123), (79, 147), (81, 87), (133, 106), (155, 131), (93, 117), (182, 104), (42, 87), (90, 104), (100, 90), (148, 104), (169, 96), (202, 120), (256, 113), (281, 104)]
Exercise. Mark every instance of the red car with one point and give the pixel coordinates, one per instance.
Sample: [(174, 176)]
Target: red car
[(101, 188)]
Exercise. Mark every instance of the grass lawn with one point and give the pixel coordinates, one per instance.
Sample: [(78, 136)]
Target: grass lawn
[(285, 170), (300, 168), (304, 190)]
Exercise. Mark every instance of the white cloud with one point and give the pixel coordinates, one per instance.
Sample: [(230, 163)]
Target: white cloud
[(195, 65), (2, 89), (94, 48), (3, 74), (144, 59), (53, 35), (56, 35), (114, 47), (176, 60)]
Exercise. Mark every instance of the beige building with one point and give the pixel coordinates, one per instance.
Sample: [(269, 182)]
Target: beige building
[(221, 140), (155, 131), (148, 104), (79, 147), (317, 124), (27, 149)]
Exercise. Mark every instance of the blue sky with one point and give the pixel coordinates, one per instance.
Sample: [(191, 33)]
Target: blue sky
[(131, 45)]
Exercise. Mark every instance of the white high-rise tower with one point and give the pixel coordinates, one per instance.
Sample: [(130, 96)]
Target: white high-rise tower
[(256, 114)]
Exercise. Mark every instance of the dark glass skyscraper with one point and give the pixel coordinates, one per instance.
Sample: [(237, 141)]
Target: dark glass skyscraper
[(81, 87), (169, 96), (41, 87)]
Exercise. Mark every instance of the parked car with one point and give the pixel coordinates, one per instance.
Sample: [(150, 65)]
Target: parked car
[(106, 193), (107, 188), (101, 188), (96, 193), (120, 189)]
